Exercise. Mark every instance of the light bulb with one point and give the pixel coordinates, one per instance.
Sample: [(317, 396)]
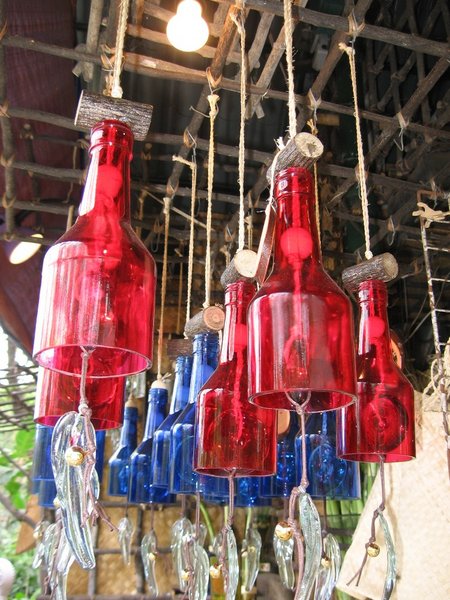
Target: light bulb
[(187, 30), (23, 251)]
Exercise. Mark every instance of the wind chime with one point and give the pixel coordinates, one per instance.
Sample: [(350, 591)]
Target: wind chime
[(379, 427), (95, 315)]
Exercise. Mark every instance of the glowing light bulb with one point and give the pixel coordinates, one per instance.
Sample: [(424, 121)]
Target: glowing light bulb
[(187, 30), (23, 251)]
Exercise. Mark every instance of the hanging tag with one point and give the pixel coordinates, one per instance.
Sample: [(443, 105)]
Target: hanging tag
[(265, 244)]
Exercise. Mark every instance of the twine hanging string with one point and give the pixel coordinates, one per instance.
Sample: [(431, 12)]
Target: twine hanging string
[(361, 175), (180, 296), (288, 31), (193, 166), (213, 111), (376, 514), (240, 26), (167, 203), (85, 412), (115, 87), (312, 123)]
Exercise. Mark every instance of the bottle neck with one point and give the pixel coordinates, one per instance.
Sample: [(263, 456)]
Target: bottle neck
[(237, 298), (374, 338), (206, 350), (128, 434), (107, 190), (180, 394), (296, 237), (157, 401)]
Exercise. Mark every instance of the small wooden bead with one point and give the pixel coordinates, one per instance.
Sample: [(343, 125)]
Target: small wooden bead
[(284, 531), (75, 456), (373, 549)]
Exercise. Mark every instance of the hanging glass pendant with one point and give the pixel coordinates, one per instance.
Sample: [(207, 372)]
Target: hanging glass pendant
[(57, 394), (381, 423), (119, 463), (285, 479), (141, 488), (160, 464), (233, 436), (183, 478), (329, 476), (301, 349), (98, 280)]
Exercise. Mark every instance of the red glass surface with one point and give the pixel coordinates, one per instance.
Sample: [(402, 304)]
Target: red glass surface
[(232, 434), (98, 280), (57, 394), (301, 344), (381, 423)]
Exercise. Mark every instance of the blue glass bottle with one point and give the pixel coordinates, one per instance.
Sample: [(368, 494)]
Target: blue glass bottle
[(329, 476), (42, 464), (119, 463), (141, 489), (100, 437), (160, 464), (183, 479), (280, 485), (47, 493), (248, 492)]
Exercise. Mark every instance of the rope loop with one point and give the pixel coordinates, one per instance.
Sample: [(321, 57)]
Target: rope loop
[(214, 84), (188, 139), (6, 162), (4, 109), (3, 31), (354, 28)]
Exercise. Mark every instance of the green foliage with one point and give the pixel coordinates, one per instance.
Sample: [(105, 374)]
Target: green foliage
[(24, 443)]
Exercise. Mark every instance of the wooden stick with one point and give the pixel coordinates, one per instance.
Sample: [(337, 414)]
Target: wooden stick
[(211, 319), (179, 347), (242, 266), (303, 150), (93, 108), (383, 267)]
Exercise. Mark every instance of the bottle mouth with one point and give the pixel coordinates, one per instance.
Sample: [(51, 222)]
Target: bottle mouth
[(293, 179), (111, 132), (372, 288)]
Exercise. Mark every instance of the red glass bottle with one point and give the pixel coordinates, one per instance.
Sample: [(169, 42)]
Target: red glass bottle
[(233, 436), (98, 280), (381, 423), (57, 394), (301, 345)]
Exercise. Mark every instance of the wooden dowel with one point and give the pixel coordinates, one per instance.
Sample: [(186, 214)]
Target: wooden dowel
[(242, 266), (210, 319), (383, 267), (303, 150)]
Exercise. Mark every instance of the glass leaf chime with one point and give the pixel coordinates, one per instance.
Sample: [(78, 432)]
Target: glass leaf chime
[(380, 425), (300, 324)]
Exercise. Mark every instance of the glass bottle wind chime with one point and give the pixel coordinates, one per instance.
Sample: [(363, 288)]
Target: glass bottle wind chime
[(379, 427), (301, 354), (95, 280)]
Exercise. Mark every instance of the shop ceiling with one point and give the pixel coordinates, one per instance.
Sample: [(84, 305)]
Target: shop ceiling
[(403, 57)]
